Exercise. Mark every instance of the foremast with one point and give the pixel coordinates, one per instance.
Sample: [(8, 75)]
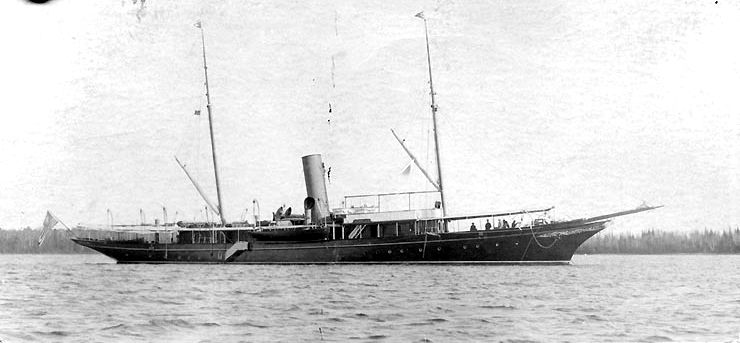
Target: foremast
[(210, 125), (434, 118)]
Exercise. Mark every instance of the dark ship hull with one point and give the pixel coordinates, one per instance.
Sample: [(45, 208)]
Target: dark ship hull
[(550, 243)]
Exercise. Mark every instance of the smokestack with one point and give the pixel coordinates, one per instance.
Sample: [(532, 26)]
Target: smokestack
[(313, 172)]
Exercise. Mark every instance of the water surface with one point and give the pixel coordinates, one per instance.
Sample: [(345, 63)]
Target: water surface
[(598, 298)]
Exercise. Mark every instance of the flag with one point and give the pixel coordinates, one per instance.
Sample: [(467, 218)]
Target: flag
[(420, 15), (49, 222), (197, 24), (197, 112)]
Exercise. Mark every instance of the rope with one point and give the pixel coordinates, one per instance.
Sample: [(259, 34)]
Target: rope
[(531, 230)]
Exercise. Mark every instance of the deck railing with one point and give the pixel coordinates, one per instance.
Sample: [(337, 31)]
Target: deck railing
[(377, 206), (121, 235)]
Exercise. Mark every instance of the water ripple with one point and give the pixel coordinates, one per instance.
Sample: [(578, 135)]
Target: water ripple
[(599, 298)]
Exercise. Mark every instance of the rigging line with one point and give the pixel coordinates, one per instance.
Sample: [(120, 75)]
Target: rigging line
[(195, 156), (529, 243), (476, 152), (555, 240), (426, 158), (424, 250), (330, 140)]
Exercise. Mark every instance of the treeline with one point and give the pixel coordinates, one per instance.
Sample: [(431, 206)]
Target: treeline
[(26, 242), (661, 242)]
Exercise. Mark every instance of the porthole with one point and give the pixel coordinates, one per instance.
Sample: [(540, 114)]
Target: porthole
[(420, 249), (465, 247), (401, 251), (496, 244), (389, 251), (516, 243), (439, 248), (477, 246)]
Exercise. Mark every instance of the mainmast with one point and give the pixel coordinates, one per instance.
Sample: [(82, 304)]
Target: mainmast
[(210, 126), (434, 118)]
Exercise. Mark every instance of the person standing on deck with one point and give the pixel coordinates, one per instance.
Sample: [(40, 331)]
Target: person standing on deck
[(472, 227), (488, 225)]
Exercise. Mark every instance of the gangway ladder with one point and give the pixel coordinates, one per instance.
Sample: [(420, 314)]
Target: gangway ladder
[(357, 231), (235, 250)]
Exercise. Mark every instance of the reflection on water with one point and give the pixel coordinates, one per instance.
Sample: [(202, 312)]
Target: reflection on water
[(598, 298)]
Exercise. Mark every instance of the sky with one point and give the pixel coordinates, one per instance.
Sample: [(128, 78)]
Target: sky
[(591, 107)]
